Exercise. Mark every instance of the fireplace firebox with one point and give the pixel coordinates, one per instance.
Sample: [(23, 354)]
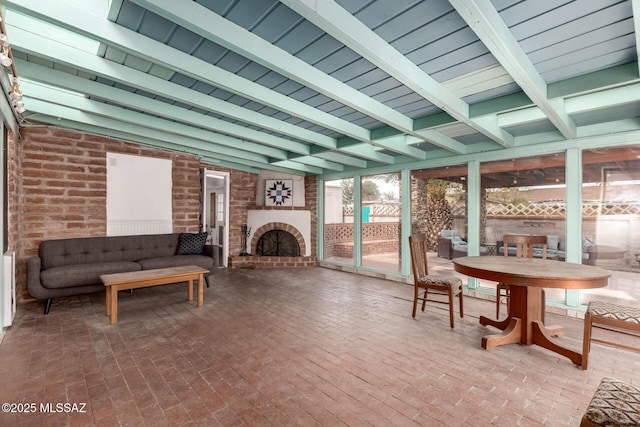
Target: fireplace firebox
[(278, 243)]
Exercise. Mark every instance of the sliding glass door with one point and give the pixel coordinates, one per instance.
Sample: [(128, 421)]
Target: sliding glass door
[(381, 213), (610, 218), (338, 221)]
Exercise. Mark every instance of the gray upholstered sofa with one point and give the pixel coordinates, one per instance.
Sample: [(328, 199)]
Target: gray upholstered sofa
[(73, 266), (451, 245)]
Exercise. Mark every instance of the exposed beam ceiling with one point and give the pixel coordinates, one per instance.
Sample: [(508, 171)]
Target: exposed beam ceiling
[(485, 21), (336, 21), (309, 87)]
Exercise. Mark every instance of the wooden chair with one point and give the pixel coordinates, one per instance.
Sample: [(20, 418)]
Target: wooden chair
[(443, 285), (524, 246)]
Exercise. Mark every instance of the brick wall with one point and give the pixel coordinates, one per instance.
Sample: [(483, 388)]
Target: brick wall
[(248, 192), (377, 237), (13, 176), (243, 189), (57, 189), (311, 200), (59, 178), (380, 231)]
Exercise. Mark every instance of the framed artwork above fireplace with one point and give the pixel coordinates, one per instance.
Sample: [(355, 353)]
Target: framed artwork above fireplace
[(278, 192)]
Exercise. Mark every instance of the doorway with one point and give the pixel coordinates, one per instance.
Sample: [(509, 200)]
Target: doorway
[(215, 213)]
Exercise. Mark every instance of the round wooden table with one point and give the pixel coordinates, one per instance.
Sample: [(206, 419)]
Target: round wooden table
[(528, 276)]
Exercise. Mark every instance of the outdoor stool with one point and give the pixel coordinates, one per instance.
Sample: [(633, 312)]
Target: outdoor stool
[(615, 403), (611, 317)]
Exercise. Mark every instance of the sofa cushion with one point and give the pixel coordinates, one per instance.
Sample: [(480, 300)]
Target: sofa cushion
[(90, 250), (191, 243), (83, 274), (448, 234), (177, 261), (464, 248), (457, 240)]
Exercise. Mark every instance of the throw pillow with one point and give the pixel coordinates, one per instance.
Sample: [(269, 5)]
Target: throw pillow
[(191, 243)]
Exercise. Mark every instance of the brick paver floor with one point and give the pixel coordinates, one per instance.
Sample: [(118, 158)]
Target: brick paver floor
[(278, 347)]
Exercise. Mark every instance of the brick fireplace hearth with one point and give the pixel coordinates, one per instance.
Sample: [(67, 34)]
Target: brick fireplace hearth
[(296, 222)]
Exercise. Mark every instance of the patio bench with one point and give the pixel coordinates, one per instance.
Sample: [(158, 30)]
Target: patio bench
[(615, 403), (610, 317)]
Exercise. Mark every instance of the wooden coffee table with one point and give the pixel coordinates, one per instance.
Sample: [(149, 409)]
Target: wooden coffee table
[(141, 279)]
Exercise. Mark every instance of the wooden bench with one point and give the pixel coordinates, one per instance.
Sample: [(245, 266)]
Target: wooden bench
[(145, 278), (615, 403), (611, 317)]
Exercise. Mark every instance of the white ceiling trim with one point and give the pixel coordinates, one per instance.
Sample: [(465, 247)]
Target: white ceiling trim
[(485, 21)]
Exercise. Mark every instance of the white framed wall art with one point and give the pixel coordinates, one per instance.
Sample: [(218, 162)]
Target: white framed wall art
[(278, 192)]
